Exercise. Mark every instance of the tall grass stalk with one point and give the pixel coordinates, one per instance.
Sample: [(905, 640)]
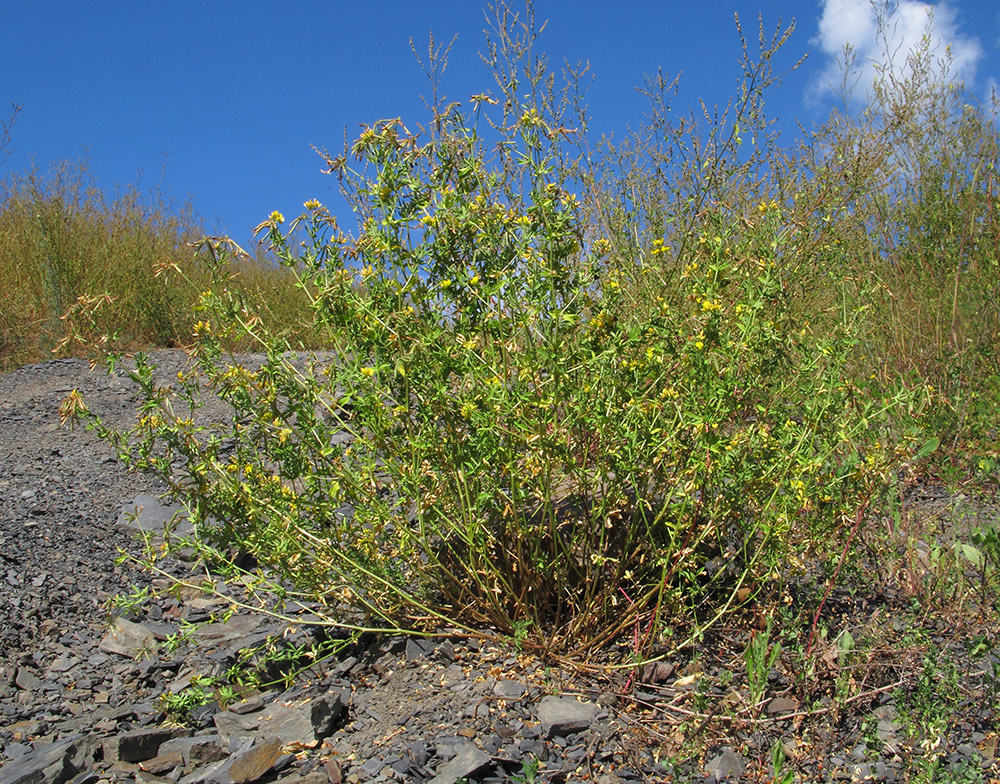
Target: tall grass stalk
[(76, 264)]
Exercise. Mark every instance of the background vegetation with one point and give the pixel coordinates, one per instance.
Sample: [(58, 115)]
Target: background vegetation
[(77, 265)]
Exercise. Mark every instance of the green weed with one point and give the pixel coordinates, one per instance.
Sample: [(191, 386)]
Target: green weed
[(529, 771), (586, 396), (760, 657), (179, 706), (782, 775)]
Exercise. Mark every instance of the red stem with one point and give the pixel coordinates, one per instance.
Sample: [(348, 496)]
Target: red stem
[(833, 579)]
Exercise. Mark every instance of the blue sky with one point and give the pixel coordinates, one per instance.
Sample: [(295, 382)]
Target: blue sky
[(221, 101)]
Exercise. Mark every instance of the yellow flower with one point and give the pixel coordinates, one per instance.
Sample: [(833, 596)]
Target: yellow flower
[(276, 217), (367, 372), (445, 284), (312, 204), (531, 118)]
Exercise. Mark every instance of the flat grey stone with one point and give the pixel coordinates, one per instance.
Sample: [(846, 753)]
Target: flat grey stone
[(220, 770), (63, 664), (145, 777), (565, 715), (509, 690), (306, 722), (140, 745), (233, 725), (452, 676), (251, 705), (149, 515), (373, 767), (417, 649), (236, 627), (163, 763), (468, 760), (127, 638), (53, 763), (418, 751), (28, 681), (448, 746), (725, 765), (782, 705), (197, 749), (15, 750), (251, 764)]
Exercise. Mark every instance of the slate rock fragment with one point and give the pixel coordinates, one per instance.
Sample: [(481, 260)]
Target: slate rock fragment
[(306, 722), (127, 638), (565, 715), (507, 689), (467, 761), (140, 745), (52, 763), (148, 515), (251, 764), (28, 681), (195, 750), (727, 764)]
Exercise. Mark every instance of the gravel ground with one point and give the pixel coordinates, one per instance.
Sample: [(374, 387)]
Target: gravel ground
[(60, 495), (401, 705)]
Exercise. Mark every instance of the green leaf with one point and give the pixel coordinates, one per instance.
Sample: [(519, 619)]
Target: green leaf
[(845, 645), (970, 553), (929, 447)]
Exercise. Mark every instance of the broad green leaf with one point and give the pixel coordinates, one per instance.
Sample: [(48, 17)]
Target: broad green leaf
[(971, 554), (928, 448)]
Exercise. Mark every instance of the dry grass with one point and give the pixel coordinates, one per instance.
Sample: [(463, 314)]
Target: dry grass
[(76, 263)]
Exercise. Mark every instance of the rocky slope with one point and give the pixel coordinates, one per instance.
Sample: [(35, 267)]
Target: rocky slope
[(87, 693)]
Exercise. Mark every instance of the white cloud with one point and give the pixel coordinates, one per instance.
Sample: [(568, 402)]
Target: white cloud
[(856, 22)]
